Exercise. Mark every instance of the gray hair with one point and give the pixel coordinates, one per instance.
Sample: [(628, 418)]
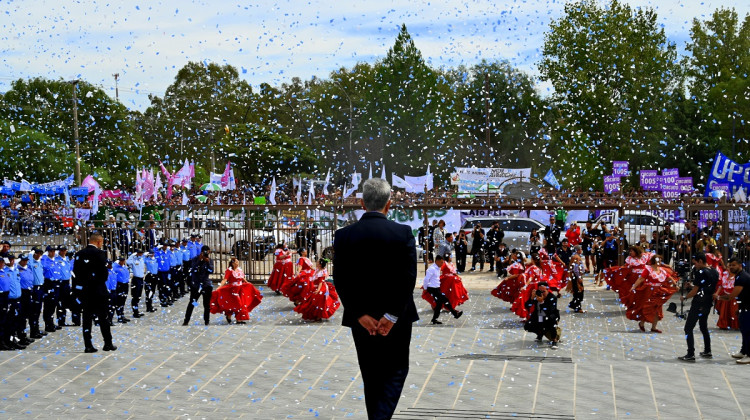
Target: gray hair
[(375, 193)]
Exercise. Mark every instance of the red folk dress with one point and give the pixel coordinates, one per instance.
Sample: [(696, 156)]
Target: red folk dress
[(237, 297), (451, 286), (645, 303), (320, 304), (622, 277), (727, 309), (553, 271), (301, 285), (283, 270), (509, 288), (533, 276)]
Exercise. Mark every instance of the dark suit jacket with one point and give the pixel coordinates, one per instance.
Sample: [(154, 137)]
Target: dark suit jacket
[(375, 269), (90, 276)]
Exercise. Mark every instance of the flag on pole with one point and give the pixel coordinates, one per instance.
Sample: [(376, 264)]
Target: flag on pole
[(272, 195), (328, 181), (382, 173), (299, 190), (90, 183), (550, 178), (311, 192), (226, 175), (95, 201), (370, 176)]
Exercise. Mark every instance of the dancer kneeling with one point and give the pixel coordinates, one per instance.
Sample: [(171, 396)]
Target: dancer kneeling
[(655, 286), (235, 296), (544, 315), (433, 292), (324, 301)]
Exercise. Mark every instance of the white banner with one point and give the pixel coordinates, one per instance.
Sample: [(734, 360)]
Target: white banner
[(417, 184), (480, 179)]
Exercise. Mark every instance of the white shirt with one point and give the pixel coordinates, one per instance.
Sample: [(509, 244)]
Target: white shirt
[(432, 277)]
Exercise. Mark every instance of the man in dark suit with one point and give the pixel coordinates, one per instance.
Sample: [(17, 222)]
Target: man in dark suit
[(378, 299), (90, 290)]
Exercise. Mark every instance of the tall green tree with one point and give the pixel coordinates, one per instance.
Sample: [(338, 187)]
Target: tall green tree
[(109, 140), (191, 117), (718, 70), (613, 70)]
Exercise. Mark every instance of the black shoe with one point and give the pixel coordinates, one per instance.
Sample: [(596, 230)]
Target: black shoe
[(458, 314), (43, 333), (150, 310), (185, 323), (111, 323), (90, 350), (436, 322), (137, 315), (164, 305), (3, 347), (58, 327), (706, 355), (15, 346), (26, 341), (539, 339), (36, 335), (687, 358), (50, 329), (206, 322), (77, 324), (123, 320), (109, 347)]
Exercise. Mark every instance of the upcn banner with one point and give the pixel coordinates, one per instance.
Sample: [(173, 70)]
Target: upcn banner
[(727, 172)]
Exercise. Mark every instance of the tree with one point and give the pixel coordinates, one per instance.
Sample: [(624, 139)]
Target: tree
[(259, 155), (33, 155), (109, 141), (718, 69), (203, 99), (612, 69)]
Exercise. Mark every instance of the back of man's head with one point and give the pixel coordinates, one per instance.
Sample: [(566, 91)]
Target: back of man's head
[(96, 238), (375, 194)]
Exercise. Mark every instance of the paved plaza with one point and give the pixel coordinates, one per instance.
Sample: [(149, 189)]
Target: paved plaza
[(483, 365)]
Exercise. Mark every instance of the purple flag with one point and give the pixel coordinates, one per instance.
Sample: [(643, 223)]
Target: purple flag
[(611, 184), (620, 168), (649, 180)]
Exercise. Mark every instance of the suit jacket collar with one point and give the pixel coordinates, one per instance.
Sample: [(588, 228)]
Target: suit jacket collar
[(373, 215)]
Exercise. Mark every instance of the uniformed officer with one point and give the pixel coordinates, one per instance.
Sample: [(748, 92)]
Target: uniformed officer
[(122, 274), (65, 266), (26, 279), (13, 320), (185, 254), (51, 289), (151, 281), (164, 265), (37, 294), (175, 269), (137, 265)]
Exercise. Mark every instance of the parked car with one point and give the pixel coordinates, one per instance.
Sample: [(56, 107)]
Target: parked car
[(639, 222), (516, 229), (230, 237)]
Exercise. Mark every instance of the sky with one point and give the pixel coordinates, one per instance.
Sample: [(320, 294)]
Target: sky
[(147, 42)]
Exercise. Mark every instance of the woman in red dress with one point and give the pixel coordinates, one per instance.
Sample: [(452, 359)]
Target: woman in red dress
[(573, 234), (283, 269), (323, 302), (533, 274), (714, 259), (621, 278), (301, 286), (235, 296), (654, 287), (554, 272), (509, 288), (727, 309), (451, 286)]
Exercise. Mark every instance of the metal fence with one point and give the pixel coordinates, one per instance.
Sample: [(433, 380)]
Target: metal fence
[(251, 233), (250, 236)]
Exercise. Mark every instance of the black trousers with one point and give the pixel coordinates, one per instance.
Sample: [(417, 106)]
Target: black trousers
[(136, 290), (575, 303), (698, 313), (26, 303), (150, 285), (384, 363), (35, 310), (460, 262), (477, 253), (440, 301), (99, 310), (14, 320), (195, 293), (491, 257), (122, 296), (5, 329), (51, 300), (164, 287), (174, 275), (64, 303)]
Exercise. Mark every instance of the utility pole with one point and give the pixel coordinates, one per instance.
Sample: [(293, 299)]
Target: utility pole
[(117, 91), (75, 132), (487, 113)]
